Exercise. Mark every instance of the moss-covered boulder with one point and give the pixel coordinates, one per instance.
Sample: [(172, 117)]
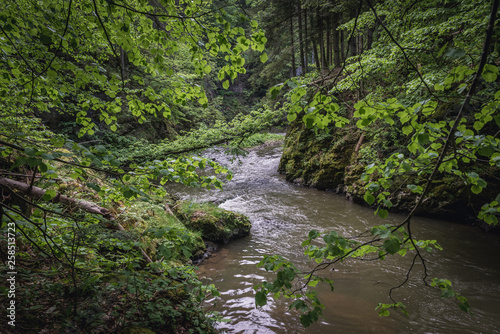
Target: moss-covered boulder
[(176, 243), (317, 160), (214, 224)]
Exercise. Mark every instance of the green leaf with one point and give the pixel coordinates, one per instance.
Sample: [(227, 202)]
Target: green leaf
[(49, 194), (263, 57), (47, 156), (291, 117), (497, 120), (382, 231), (275, 90), (490, 73), (369, 198), (260, 298), (439, 87), (476, 189), (423, 138), (407, 129), (486, 151), (383, 213), (441, 51), (313, 283), (392, 246), (225, 84), (313, 234), (292, 84), (94, 186), (308, 121), (30, 151)]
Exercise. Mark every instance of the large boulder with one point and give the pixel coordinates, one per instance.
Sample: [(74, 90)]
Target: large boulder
[(214, 224)]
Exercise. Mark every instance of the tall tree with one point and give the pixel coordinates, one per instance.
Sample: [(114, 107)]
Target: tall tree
[(301, 39), (336, 40), (307, 38), (292, 47)]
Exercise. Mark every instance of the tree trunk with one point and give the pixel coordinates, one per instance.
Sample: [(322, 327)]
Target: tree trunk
[(306, 42), (360, 142), (301, 41), (328, 41), (336, 37), (342, 46), (122, 63), (352, 46), (37, 193), (353, 41), (369, 40), (294, 70), (321, 39), (315, 49)]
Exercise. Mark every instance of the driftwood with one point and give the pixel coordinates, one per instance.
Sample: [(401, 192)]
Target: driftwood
[(37, 193)]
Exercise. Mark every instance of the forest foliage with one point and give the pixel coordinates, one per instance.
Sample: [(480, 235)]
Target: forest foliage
[(149, 82)]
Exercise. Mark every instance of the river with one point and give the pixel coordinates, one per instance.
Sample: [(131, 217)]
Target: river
[(282, 214)]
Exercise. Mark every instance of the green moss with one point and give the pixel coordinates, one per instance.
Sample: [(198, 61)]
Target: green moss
[(261, 138), (328, 161), (214, 224), (181, 242), (316, 160)]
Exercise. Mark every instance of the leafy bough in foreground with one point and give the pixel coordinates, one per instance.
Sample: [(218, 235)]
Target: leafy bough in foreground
[(328, 249), (436, 146)]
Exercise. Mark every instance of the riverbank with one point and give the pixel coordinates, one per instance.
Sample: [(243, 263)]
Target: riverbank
[(336, 161)]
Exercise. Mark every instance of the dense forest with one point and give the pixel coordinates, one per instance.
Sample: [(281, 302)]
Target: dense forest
[(105, 104)]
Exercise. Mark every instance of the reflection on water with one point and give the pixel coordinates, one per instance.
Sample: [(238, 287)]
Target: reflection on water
[(282, 214)]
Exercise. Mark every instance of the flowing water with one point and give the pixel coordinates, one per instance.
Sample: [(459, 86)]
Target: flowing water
[(282, 214)]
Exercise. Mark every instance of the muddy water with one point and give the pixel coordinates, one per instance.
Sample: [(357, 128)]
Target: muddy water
[(282, 214)]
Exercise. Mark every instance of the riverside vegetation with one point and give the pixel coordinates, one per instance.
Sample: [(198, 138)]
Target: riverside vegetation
[(104, 103)]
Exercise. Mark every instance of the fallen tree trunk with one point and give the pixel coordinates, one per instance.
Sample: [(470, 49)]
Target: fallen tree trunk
[(37, 193)]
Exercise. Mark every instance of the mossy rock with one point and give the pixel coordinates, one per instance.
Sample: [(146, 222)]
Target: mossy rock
[(214, 224), (314, 161)]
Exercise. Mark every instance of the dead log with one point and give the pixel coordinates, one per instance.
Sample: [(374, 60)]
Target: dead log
[(37, 193)]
